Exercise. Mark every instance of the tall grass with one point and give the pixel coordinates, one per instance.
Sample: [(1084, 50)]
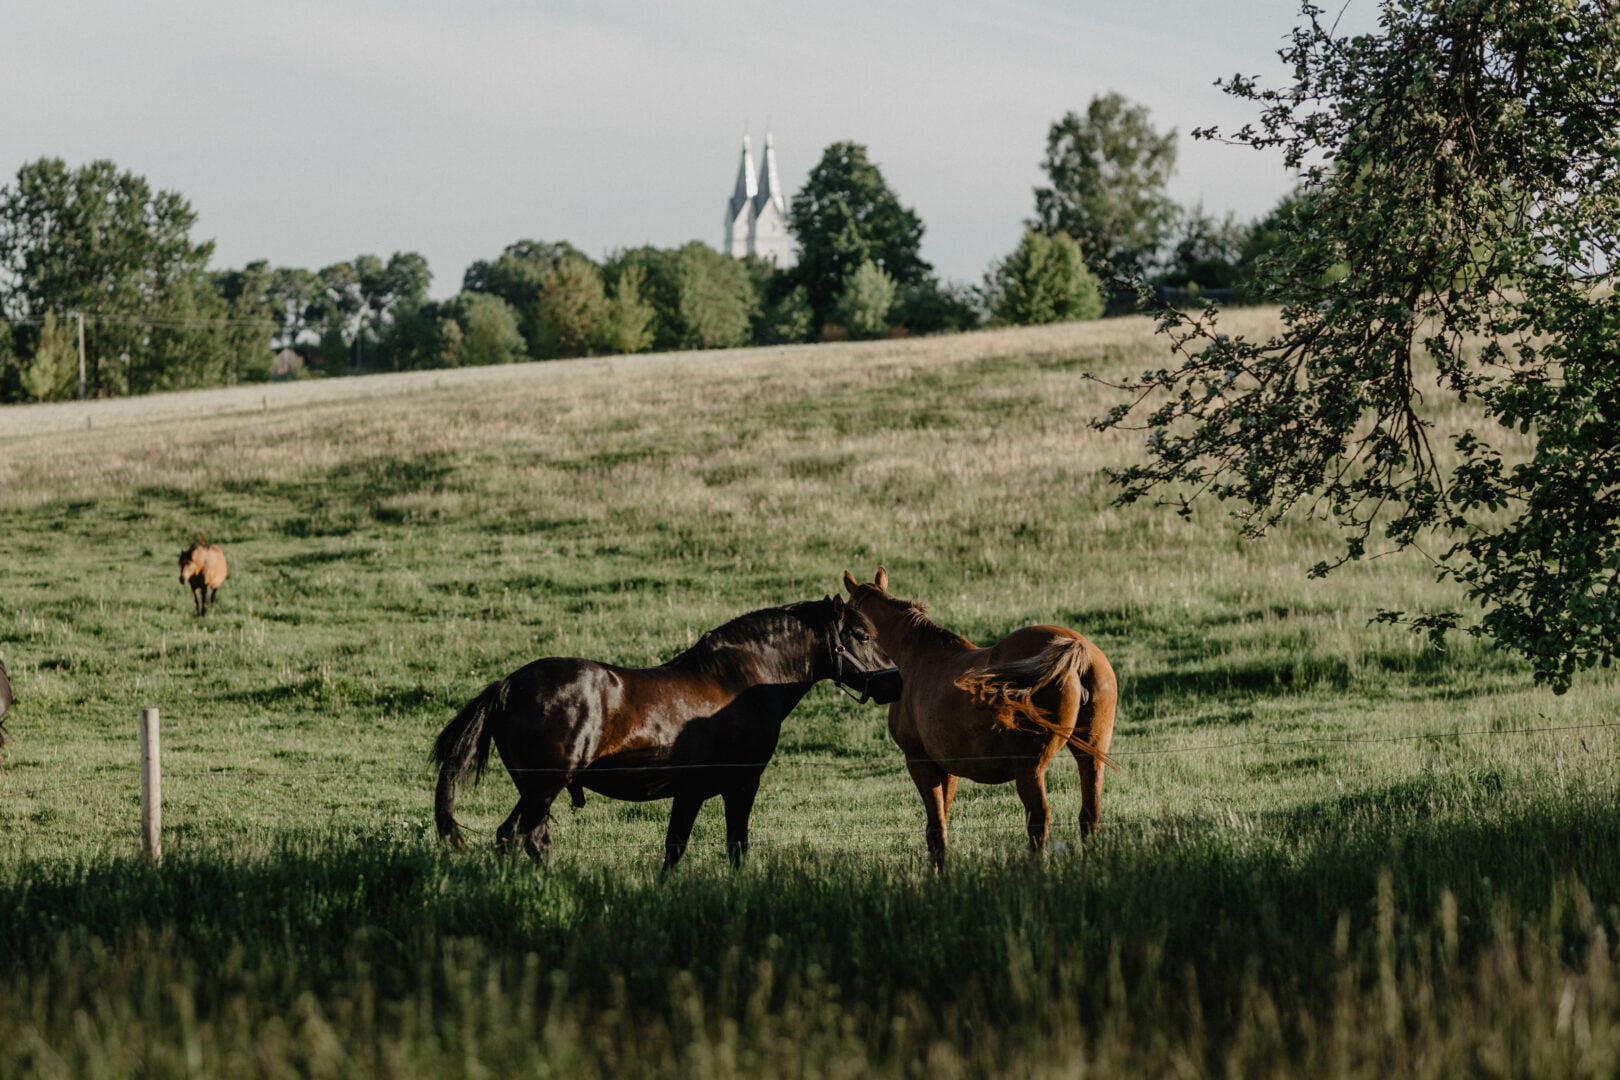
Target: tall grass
[(1332, 851)]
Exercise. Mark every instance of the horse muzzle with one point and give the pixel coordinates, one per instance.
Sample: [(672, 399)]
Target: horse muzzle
[(882, 686)]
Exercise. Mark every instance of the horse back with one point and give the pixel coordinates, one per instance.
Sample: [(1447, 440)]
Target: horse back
[(577, 710), (205, 565)]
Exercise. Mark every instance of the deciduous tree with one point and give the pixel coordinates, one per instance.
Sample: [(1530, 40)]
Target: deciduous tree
[(1106, 172), (487, 330), (1453, 251), (628, 325), (51, 371), (102, 242), (249, 320), (846, 215), (1205, 252), (571, 307), (516, 276), (703, 299), (1044, 281), (864, 305)]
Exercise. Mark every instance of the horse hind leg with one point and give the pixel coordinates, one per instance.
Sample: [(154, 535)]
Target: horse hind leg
[(1097, 726), (1091, 785), (530, 821), (1037, 811)]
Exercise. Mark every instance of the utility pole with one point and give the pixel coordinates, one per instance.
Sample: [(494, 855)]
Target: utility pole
[(79, 315)]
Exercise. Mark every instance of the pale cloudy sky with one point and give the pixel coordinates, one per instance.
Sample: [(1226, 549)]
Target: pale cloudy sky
[(309, 131)]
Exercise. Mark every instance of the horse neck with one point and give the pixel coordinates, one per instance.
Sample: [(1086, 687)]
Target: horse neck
[(907, 635), (784, 651)]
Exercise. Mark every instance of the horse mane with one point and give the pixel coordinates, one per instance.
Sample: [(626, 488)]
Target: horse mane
[(915, 615), (716, 650)]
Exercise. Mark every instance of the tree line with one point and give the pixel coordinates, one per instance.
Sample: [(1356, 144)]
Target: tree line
[(96, 250)]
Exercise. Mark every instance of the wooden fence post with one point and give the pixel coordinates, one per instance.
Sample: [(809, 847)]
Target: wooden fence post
[(151, 785)]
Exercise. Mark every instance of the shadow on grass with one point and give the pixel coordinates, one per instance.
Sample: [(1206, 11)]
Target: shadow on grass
[(1207, 893), (1194, 659)]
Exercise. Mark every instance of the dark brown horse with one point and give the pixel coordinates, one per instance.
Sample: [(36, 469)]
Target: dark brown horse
[(994, 714), (704, 724)]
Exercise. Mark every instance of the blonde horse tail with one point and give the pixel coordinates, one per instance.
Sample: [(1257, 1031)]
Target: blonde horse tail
[(1009, 690)]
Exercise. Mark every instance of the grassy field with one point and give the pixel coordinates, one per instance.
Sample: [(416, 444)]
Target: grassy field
[(1333, 851)]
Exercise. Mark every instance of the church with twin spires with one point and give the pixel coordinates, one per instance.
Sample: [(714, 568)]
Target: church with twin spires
[(756, 216)]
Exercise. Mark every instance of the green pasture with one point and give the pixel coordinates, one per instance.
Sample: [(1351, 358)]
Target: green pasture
[(1331, 849)]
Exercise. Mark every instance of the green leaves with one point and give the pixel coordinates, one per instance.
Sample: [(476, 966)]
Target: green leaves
[(100, 241), (846, 215), (868, 297), (1044, 281), (1106, 173), (1445, 266)]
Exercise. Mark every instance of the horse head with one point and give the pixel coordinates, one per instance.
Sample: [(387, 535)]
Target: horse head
[(860, 662), (859, 593), (856, 639)]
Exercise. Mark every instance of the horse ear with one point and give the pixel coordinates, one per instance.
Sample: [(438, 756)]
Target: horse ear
[(850, 582), (882, 579), (838, 604)]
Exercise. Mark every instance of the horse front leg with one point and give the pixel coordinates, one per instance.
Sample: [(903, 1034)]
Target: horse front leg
[(1037, 811), (937, 787), (682, 816), (739, 805)]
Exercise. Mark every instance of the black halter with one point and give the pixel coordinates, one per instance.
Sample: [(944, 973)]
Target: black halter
[(882, 686)]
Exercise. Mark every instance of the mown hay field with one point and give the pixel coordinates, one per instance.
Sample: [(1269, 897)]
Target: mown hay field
[(1331, 850)]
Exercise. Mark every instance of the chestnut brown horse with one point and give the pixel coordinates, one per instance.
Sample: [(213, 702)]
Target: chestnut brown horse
[(704, 724), (992, 715), (202, 566)]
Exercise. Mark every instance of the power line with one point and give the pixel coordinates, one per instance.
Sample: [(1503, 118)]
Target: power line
[(207, 321)]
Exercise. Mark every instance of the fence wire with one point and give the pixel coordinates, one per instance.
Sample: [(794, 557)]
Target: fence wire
[(886, 764)]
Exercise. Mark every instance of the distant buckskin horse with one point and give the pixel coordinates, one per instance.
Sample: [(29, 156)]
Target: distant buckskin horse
[(994, 714), (704, 724), (202, 566)]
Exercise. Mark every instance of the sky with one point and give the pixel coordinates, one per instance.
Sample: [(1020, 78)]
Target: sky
[(306, 132)]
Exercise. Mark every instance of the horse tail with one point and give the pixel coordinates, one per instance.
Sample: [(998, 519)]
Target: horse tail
[(462, 748), (1009, 690)]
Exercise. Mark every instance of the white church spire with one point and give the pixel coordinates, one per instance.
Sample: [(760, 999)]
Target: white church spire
[(768, 234), (740, 210), (770, 185)]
